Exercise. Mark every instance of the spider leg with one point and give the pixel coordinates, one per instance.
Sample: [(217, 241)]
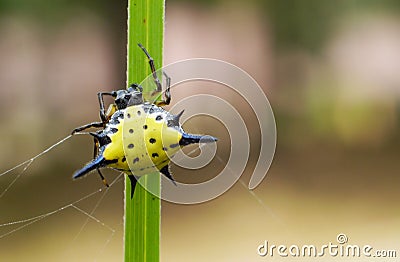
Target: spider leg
[(153, 69), (167, 92), (157, 80), (102, 178), (103, 115), (95, 147), (81, 128)]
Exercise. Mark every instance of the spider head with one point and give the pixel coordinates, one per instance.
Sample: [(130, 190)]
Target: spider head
[(128, 97)]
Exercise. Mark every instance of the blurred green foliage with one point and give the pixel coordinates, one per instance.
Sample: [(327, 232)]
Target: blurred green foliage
[(54, 12), (307, 24), (295, 24)]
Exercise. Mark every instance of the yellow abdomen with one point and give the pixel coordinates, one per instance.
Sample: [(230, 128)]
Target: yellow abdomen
[(143, 142)]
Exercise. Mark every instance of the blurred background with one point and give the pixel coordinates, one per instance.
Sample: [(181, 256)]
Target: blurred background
[(330, 69)]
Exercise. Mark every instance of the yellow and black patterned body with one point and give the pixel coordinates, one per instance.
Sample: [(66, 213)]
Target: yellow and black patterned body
[(137, 137), (139, 140), (142, 137)]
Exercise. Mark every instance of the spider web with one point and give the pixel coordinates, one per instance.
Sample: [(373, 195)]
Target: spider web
[(8, 228)]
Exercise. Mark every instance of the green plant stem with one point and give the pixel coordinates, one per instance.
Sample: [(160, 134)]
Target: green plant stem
[(143, 212)]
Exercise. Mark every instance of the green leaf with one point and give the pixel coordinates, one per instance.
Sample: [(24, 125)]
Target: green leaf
[(143, 212)]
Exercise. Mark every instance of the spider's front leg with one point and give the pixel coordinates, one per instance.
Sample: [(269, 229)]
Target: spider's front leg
[(167, 92), (84, 127), (157, 80)]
